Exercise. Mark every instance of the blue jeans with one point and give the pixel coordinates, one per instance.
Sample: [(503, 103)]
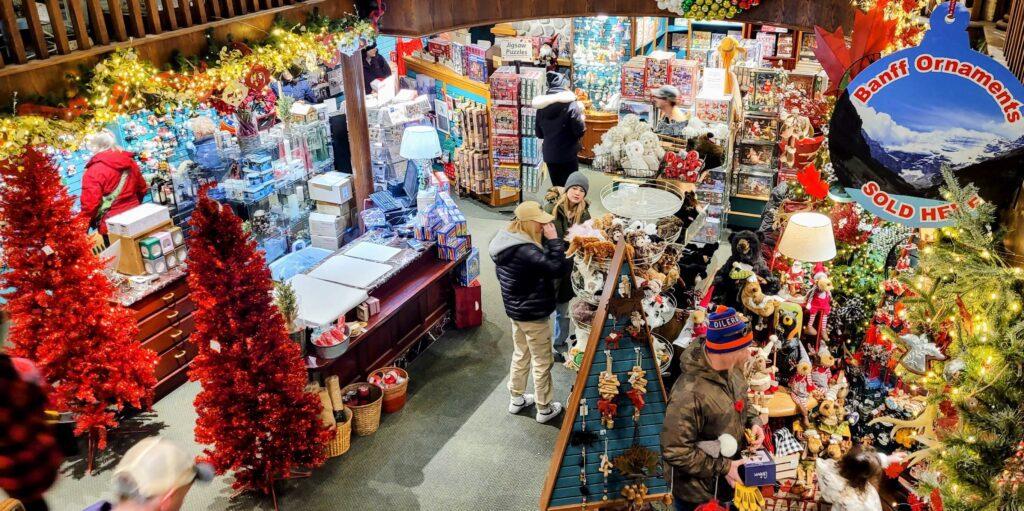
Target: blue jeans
[(562, 326)]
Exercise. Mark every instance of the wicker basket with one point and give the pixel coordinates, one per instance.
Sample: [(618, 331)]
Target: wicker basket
[(366, 418), (11, 505), (394, 396), (342, 437)]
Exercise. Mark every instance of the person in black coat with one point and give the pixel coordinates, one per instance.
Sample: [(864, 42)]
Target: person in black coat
[(375, 67), (560, 124), (529, 258)]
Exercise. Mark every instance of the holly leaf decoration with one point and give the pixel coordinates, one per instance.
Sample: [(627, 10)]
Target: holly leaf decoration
[(812, 182)]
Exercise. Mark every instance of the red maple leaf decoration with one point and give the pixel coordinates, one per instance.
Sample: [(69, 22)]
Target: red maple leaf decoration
[(812, 182), (893, 471), (936, 500), (872, 33)]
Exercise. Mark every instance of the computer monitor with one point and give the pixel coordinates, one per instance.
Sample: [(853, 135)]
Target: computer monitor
[(412, 179)]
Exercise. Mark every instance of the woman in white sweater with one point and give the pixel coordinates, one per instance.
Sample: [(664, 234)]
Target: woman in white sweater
[(849, 483)]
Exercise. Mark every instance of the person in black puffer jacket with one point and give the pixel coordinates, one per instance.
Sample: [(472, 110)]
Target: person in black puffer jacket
[(529, 257), (560, 124)]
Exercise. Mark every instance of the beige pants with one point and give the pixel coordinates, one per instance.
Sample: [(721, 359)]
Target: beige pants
[(532, 348)]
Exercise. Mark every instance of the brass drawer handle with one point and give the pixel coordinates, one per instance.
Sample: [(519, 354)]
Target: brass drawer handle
[(180, 355), (172, 315), (177, 334), (168, 297)]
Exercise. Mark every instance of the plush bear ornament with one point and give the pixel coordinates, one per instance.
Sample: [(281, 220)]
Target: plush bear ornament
[(635, 156)]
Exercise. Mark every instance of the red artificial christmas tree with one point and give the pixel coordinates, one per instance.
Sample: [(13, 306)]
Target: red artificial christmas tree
[(64, 317), (254, 412)]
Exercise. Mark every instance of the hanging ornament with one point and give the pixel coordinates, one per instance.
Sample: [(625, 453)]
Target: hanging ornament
[(234, 93), (257, 78), (606, 465), (635, 494), (608, 387), (920, 353)]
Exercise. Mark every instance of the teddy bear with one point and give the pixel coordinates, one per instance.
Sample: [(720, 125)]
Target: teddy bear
[(709, 150), (634, 156), (653, 152), (746, 249), (822, 373), (805, 471)]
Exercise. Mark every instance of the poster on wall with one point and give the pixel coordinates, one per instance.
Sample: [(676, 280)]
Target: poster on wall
[(909, 115)]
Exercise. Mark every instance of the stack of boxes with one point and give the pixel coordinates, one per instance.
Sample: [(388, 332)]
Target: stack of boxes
[(332, 191), (471, 159), (163, 250), (451, 230)]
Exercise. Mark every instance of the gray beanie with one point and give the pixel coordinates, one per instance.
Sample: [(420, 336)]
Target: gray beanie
[(578, 179), (667, 92)]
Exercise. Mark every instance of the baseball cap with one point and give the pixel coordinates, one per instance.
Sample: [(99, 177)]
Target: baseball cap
[(669, 92), (155, 466), (531, 210)]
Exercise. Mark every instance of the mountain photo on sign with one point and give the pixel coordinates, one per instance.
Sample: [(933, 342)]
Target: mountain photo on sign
[(908, 115)]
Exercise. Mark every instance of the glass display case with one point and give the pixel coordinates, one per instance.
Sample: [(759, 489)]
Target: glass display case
[(601, 44)]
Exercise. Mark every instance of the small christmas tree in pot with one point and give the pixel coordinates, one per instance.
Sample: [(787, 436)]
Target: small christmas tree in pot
[(64, 314), (254, 412)]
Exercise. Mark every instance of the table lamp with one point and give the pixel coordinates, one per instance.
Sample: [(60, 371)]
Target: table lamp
[(808, 237), (421, 144)]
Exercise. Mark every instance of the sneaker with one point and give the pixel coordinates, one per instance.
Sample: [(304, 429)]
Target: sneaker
[(519, 403), (545, 416)]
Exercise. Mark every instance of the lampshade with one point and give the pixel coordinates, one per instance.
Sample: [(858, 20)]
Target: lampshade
[(420, 143), (808, 237)]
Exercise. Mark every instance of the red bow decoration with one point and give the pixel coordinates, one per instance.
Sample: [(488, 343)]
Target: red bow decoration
[(257, 78)]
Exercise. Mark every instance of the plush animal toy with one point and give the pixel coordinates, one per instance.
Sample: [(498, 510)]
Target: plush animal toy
[(819, 305), (746, 249), (635, 156), (806, 469), (653, 152), (710, 151), (822, 374)]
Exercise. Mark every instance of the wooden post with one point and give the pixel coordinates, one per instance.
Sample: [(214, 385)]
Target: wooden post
[(358, 129), (1014, 48)]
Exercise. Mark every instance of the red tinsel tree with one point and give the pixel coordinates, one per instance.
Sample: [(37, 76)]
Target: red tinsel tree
[(64, 317), (254, 412)]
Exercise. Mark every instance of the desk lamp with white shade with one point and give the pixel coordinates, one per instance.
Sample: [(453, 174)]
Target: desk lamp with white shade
[(808, 238), (421, 145)]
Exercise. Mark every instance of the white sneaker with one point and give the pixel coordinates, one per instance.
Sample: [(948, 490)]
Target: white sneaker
[(519, 403), (554, 410)]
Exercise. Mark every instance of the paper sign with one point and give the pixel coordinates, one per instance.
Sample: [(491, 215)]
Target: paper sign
[(517, 49), (713, 82), (908, 115)]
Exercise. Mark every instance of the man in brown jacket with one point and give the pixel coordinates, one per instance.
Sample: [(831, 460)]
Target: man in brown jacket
[(709, 399)]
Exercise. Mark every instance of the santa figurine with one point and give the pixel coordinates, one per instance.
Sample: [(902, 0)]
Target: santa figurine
[(795, 279)]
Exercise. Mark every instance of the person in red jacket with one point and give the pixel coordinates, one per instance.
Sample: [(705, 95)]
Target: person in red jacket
[(112, 182)]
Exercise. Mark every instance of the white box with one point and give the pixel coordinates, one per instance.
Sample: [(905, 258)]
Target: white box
[(333, 187), (326, 242), (172, 259), (166, 241), (140, 219), (327, 225), (155, 266), (181, 253)]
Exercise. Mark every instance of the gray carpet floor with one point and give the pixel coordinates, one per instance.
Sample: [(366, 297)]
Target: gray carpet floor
[(453, 447)]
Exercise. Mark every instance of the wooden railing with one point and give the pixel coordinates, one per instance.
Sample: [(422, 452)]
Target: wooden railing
[(39, 29)]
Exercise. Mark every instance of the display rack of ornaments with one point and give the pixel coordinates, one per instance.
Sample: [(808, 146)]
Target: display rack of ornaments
[(708, 9)]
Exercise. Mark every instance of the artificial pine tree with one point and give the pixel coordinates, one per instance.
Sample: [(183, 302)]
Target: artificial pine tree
[(64, 316), (254, 412), (970, 298)]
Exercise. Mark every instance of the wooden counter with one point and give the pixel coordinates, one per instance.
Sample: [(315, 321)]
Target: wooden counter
[(597, 124), (412, 302)]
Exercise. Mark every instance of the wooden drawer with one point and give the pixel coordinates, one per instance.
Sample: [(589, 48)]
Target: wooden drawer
[(170, 336), (161, 299), (157, 322), (185, 307), (176, 357)]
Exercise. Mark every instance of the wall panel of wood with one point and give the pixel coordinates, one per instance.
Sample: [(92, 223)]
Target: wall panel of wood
[(1014, 49), (418, 17)]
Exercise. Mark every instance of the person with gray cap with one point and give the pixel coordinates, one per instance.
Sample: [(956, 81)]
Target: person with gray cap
[(560, 124), (154, 475), (570, 207), (666, 99)]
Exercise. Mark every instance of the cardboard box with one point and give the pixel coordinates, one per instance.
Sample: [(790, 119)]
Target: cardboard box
[(131, 260), (138, 220), (321, 224), (150, 248), (182, 253), (332, 187), (469, 270), (172, 259), (166, 243), (177, 236), (785, 466), (759, 469), (329, 208), (326, 242), (156, 266)]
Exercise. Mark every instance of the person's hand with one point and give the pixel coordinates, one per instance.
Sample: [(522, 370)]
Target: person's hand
[(758, 437), (549, 231), (733, 476)]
